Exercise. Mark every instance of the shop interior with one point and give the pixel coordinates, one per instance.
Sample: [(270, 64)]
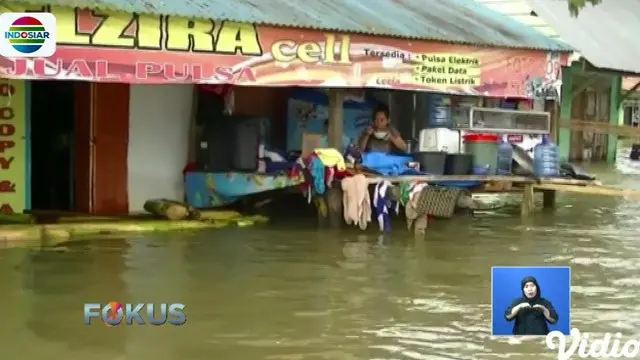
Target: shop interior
[(52, 129), (250, 138), (249, 119)]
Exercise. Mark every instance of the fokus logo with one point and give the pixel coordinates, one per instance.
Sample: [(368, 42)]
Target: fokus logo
[(114, 313)]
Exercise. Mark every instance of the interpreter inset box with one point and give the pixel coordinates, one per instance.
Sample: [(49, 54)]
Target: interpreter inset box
[(530, 300)]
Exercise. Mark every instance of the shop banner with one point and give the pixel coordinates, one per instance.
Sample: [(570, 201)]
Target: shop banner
[(120, 47), (13, 146)]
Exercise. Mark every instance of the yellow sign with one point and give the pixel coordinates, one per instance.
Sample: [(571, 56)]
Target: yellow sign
[(118, 29), (13, 147), (447, 70)]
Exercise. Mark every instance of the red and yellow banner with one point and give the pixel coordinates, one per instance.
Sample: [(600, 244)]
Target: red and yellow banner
[(120, 47)]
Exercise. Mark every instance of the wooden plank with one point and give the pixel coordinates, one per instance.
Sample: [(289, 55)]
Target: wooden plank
[(564, 181), (427, 178), (600, 127), (481, 178), (592, 190)]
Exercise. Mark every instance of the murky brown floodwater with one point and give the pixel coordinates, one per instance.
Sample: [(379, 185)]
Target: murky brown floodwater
[(302, 294)]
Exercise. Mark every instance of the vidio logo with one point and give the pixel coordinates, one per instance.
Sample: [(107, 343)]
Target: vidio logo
[(115, 313)]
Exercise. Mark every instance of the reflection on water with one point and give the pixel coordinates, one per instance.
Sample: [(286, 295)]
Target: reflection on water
[(276, 293)]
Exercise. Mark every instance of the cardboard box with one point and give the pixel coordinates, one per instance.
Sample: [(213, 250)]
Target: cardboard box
[(310, 142)]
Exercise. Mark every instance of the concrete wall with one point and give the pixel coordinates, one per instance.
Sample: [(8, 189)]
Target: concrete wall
[(159, 118)]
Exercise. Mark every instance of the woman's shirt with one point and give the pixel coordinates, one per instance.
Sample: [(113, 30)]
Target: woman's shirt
[(531, 321)]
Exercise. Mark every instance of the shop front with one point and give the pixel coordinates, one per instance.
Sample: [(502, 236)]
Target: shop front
[(135, 100)]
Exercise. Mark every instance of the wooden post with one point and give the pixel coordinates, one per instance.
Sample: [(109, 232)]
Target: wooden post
[(548, 199), (333, 196), (566, 99), (553, 107), (614, 116), (528, 200), (336, 119)]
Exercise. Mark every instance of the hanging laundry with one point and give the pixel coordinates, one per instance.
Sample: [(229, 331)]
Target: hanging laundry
[(404, 189), (316, 169), (300, 169), (330, 158), (329, 175), (415, 219), (384, 205), (321, 205), (313, 171), (356, 201)]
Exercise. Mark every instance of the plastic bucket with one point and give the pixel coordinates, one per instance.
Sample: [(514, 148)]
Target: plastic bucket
[(431, 162), (484, 149), (458, 164)]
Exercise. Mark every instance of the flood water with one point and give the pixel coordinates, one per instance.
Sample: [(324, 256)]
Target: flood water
[(292, 292)]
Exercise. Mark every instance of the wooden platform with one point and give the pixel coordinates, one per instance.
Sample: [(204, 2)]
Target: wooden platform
[(528, 186), (482, 178)]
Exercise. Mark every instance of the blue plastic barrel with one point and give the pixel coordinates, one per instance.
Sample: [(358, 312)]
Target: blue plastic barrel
[(505, 158), (545, 159)]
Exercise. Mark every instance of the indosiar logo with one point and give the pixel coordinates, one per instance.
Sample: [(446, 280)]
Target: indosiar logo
[(27, 35), (114, 313)]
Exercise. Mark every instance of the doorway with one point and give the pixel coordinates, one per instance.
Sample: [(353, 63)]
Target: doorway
[(52, 129)]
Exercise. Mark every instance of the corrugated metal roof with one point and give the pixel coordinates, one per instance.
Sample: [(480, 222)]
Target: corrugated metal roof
[(606, 34), (629, 82), (521, 11), (461, 21)]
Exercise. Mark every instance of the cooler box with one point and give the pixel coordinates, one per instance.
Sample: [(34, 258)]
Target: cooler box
[(439, 140)]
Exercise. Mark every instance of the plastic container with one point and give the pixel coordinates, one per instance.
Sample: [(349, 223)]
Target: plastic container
[(231, 143), (431, 162), (439, 139), (458, 164), (484, 149), (505, 158), (438, 111), (545, 159), (635, 152)]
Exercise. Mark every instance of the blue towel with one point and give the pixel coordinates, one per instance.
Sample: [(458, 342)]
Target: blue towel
[(316, 168), (386, 164)]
